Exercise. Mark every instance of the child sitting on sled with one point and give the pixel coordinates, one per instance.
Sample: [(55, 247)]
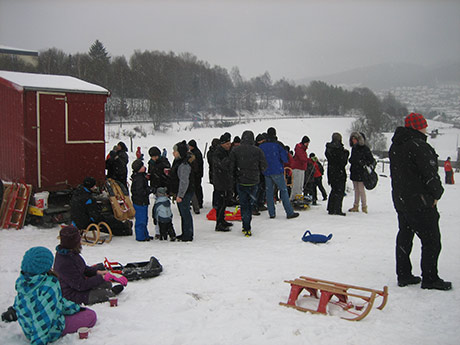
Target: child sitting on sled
[(81, 283), (162, 215)]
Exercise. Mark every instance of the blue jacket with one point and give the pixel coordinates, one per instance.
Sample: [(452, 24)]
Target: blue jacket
[(276, 156), (40, 307)]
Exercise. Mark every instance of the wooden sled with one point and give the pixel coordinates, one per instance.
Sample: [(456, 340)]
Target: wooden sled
[(122, 205), (92, 234), (324, 291)]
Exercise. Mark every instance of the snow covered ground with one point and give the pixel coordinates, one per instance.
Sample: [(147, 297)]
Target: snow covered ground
[(223, 288)]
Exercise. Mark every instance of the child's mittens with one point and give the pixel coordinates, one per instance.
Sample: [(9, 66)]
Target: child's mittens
[(110, 277)]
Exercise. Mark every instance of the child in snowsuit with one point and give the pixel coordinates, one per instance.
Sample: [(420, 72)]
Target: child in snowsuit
[(163, 216), (42, 312)]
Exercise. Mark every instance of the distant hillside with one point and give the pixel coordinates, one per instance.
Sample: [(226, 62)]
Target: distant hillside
[(386, 76)]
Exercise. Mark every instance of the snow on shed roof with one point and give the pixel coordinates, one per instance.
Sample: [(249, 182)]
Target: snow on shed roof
[(48, 82)]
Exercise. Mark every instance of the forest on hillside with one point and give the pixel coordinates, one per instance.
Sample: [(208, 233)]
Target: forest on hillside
[(164, 86)]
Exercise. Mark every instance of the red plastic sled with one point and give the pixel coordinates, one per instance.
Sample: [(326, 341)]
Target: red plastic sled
[(228, 215)]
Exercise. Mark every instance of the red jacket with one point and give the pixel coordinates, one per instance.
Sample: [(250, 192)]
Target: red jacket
[(447, 166), (300, 157), (317, 171)]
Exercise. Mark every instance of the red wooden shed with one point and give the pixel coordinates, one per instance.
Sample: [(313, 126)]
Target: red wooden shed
[(51, 130)]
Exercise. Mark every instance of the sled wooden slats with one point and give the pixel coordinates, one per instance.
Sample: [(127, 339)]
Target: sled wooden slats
[(14, 206), (325, 290), (92, 234)]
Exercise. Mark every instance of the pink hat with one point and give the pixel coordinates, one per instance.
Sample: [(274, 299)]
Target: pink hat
[(415, 121)]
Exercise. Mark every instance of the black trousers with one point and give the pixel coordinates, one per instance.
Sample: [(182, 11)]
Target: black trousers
[(221, 204), (424, 224), (334, 204)]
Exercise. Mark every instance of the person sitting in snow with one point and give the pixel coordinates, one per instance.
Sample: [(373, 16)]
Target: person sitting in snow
[(41, 310), (162, 215), (81, 283)]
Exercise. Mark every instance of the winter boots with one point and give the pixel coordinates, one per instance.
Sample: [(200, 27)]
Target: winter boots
[(355, 208), (165, 230), (364, 209)]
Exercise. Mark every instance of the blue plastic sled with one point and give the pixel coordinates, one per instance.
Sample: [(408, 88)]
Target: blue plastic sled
[(315, 238)]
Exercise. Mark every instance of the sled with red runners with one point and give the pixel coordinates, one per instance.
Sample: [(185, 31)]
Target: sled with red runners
[(135, 270), (355, 300)]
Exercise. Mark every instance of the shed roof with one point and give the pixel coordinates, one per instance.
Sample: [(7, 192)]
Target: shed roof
[(49, 82)]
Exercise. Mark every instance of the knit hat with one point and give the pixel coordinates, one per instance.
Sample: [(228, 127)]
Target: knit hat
[(192, 143), (237, 139), (70, 237), (161, 191), (225, 138), (154, 151), (89, 182), (271, 132), (137, 165), (415, 121), (305, 139), (261, 137), (182, 148), (37, 260)]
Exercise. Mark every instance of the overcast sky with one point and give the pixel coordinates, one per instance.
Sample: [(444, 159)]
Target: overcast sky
[(287, 38)]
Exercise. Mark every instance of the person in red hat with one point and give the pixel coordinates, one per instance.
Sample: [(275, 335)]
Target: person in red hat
[(416, 189)]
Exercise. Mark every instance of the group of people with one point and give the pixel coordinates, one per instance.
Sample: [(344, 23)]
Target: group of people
[(48, 301), (51, 290)]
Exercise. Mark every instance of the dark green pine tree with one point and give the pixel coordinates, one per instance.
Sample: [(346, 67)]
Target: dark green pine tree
[(99, 64)]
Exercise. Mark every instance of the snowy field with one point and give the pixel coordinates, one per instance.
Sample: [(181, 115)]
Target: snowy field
[(223, 288)]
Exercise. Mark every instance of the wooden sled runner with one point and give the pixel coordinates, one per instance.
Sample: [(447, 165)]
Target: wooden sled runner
[(122, 206), (324, 291), (96, 234)]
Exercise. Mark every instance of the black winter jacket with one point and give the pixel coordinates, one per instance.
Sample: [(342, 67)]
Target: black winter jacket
[(198, 163), (158, 178), (360, 155), (414, 171), (337, 159), (116, 166), (221, 176), (140, 189), (247, 161), (84, 209)]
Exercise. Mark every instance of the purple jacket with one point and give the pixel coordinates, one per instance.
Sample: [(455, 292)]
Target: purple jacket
[(75, 277)]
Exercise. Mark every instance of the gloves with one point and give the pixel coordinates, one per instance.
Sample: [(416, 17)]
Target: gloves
[(9, 315), (110, 277)]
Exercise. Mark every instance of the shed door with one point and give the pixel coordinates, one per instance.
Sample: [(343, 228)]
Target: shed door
[(51, 145)]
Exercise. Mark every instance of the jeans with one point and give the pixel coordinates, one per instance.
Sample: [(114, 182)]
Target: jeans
[(142, 218), (248, 198), (186, 216), (270, 182)]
